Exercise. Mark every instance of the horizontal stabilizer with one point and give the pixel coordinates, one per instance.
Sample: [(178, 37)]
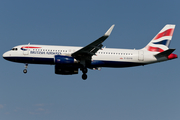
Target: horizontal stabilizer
[(165, 53)]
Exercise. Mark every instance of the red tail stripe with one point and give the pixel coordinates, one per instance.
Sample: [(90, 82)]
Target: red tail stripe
[(168, 32), (154, 49)]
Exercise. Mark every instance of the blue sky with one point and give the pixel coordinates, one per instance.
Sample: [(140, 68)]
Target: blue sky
[(150, 92)]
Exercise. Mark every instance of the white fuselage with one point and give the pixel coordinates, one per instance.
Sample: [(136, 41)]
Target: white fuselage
[(106, 57)]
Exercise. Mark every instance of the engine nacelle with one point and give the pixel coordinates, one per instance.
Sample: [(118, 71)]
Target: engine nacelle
[(59, 59), (65, 70)]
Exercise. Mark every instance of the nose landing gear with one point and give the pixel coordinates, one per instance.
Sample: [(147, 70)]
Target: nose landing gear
[(25, 70)]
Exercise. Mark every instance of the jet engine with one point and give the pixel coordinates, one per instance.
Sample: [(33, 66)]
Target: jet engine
[(65, 65)]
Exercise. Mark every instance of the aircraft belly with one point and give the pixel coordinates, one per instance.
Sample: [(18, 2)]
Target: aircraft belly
[(116, 61)]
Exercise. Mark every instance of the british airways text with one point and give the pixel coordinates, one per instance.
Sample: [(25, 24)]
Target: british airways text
[(49, 53)]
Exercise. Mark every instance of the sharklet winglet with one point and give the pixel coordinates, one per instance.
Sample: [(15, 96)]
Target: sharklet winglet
[(109, 31)]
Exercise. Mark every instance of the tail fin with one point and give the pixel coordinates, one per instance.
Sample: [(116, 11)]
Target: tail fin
[(162, 40)]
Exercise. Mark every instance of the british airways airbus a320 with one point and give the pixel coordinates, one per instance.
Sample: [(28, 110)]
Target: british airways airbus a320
[(68, 60)]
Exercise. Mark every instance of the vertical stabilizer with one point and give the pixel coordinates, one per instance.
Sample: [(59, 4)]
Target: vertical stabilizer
[(162, 40)]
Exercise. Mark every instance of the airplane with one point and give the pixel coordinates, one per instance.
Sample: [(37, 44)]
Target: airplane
[(69, 59)]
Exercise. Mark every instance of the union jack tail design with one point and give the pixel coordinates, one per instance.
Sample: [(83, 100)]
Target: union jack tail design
[(162, 40)]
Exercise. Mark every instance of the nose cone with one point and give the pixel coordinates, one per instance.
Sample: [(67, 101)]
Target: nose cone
[(6, 55)]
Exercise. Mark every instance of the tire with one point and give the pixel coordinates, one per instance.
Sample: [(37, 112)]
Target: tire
[(84, 76), (25, 71)]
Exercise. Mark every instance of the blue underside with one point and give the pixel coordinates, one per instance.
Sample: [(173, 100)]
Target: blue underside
[(95, 63)]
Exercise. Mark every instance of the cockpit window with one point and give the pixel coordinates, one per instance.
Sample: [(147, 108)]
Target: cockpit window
[(15, 49)]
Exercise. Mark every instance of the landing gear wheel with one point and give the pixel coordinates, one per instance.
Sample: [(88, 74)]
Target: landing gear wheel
[(25, 71), (84, 76)]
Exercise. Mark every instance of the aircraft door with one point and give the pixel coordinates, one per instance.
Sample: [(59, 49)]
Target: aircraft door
[(141, 55), (26, 50)]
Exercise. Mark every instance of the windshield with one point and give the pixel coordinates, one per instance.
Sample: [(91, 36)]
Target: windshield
[(14, 49)]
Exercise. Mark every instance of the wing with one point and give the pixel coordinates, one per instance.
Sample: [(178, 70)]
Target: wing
[(88, 51)]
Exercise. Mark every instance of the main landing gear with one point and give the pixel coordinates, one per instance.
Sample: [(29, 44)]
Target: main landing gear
[(84, 71), (25, 70)]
